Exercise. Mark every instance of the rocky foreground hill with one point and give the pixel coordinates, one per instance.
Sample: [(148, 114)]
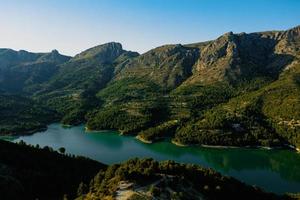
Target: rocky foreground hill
[(239, 90)]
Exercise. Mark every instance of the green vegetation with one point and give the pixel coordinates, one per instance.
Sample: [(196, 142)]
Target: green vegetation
[(22, 71), (126, 118), (167, 129), (129, 89), (62, 150), (264, 117), (28, 172), (240, 89), (116, 119), (148, 179), (20, 115)]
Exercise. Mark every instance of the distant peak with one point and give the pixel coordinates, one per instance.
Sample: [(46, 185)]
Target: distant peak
[(293, 32), (295, 28), (227, 36), (116, 44), (113, 44), (54, 51), (228, 33), (23, 51), (104, 52), (110, 45)]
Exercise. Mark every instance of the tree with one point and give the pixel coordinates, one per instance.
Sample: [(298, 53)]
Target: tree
[(62, 150), (82, 189)]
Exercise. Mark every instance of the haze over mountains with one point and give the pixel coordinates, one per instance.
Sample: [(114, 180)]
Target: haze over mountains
[(239, 89)]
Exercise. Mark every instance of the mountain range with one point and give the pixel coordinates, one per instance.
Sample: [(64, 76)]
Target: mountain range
[(237, 90)]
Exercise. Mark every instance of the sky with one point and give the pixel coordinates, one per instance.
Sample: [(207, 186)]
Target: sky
[(71, 26)]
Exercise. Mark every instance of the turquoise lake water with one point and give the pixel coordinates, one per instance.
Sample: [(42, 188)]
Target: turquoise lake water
[(273, 170)]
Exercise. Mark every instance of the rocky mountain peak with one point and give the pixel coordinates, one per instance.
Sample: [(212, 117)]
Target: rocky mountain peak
[(54, 56), (102, 53), (228, 34), (227, 37), (293, 33), (55, 52)]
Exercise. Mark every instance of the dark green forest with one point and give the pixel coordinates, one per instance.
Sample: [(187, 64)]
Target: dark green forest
[(28, 172), (31, 172)]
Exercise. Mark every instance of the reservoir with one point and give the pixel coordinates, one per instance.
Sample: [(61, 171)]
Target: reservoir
[(273, 170)]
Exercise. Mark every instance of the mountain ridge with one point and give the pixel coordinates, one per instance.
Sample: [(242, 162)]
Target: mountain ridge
[(194, 85)]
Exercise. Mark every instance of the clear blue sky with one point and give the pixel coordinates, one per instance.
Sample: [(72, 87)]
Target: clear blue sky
[(72, 26)]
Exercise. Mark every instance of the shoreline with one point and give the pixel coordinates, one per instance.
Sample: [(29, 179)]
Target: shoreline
[(28, 132), (36, 130), (289, 147), (67, 125), (143, 140), (179, 144), (138, 137), (87, 130)]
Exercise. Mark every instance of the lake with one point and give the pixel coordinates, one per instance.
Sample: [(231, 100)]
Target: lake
[(273, 170)]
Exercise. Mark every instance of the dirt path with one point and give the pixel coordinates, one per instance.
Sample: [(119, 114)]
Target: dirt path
[(124, 190)]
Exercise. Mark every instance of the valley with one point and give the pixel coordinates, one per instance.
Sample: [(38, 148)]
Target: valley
[(221, 118)]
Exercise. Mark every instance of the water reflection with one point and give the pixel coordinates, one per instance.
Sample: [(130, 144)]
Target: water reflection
[(105, 138), (285, 162), (274, 170)]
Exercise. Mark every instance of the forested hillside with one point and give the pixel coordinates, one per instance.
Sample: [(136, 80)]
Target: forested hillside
[(239, 89), (28, 172), (145, 179)]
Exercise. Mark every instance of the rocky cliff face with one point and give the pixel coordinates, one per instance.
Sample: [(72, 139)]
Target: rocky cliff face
[(102, 53), (167, 66), (231, 57), (189, 83), (234, 57)]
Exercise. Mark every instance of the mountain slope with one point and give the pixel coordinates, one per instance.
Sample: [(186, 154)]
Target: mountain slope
[(267, 115), (240, 89), (21, 115), (71, 91), (28, 172), (22, 71), (148, 179), (210, 74)]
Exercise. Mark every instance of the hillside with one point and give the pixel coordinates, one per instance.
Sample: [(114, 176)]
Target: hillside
[(239, 89), (22, 115), (28, 172), (22, 71), (145, 179)]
